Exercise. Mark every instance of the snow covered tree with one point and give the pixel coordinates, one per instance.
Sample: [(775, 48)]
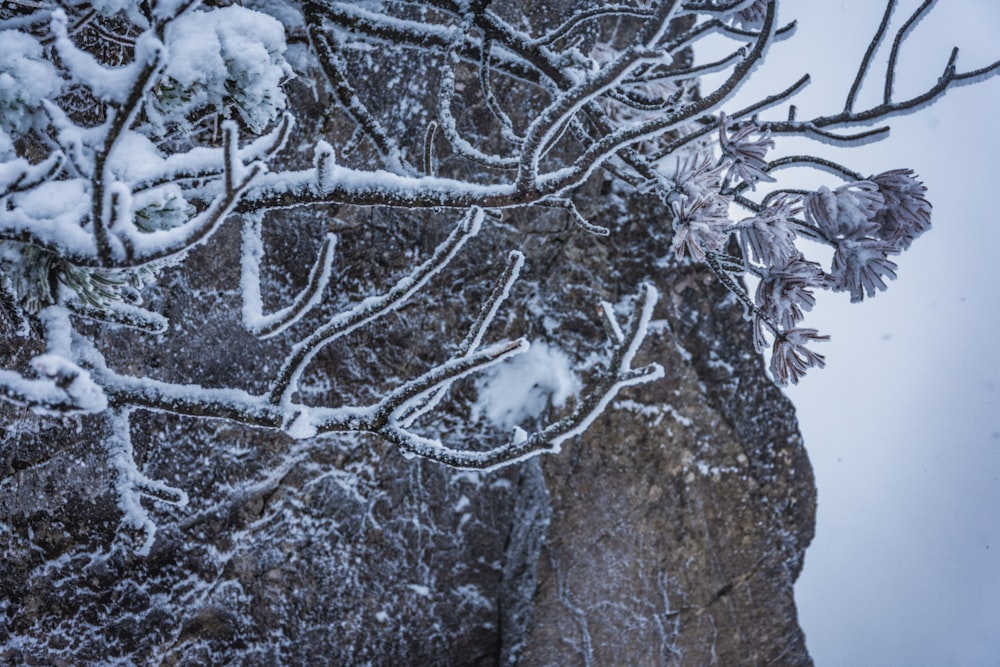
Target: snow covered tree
[(306, 218)]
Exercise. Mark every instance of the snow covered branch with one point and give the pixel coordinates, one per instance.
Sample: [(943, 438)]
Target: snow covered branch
[(131, 135)]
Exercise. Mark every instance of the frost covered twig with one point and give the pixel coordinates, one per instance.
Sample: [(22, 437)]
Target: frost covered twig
[(334, 69), (131, 484), (372, 308), (472, 341), (266, 326)]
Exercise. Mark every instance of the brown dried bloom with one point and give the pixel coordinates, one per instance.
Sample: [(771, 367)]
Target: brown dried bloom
[(746, 157), (701, 224), (790, 358)]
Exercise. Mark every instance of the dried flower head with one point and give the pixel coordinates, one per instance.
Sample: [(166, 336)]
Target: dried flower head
[(905, 213), (790, 358), (697, 176), (785, 291), (860, 266), (701, 224), (745, 156), (769, 236)]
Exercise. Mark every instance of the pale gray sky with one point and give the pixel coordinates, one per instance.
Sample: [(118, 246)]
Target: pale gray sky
[(903, 426)]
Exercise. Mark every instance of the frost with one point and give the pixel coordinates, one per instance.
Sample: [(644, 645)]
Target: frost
[(420, 589), (655, 413)]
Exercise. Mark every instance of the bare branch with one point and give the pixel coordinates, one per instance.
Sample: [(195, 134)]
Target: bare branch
[(620, 374), (829, 166), (506, 127), (266, 326), (334, 69), (449, 126), (370, 309), (867, 59), (472, 341), (589, 15)]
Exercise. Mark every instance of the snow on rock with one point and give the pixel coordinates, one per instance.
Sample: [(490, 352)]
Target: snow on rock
[(524, 387)]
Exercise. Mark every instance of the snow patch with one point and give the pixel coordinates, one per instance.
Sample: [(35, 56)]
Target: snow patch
[(420, 590), (523, 387)]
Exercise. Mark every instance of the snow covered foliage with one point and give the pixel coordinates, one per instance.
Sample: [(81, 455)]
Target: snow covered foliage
[(131, 132), (228, 60)]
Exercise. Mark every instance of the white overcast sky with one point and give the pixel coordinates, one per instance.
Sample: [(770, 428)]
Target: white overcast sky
[(903, 426)]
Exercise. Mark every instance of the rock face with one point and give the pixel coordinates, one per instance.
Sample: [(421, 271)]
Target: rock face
[(670, 533), (678, 523)]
